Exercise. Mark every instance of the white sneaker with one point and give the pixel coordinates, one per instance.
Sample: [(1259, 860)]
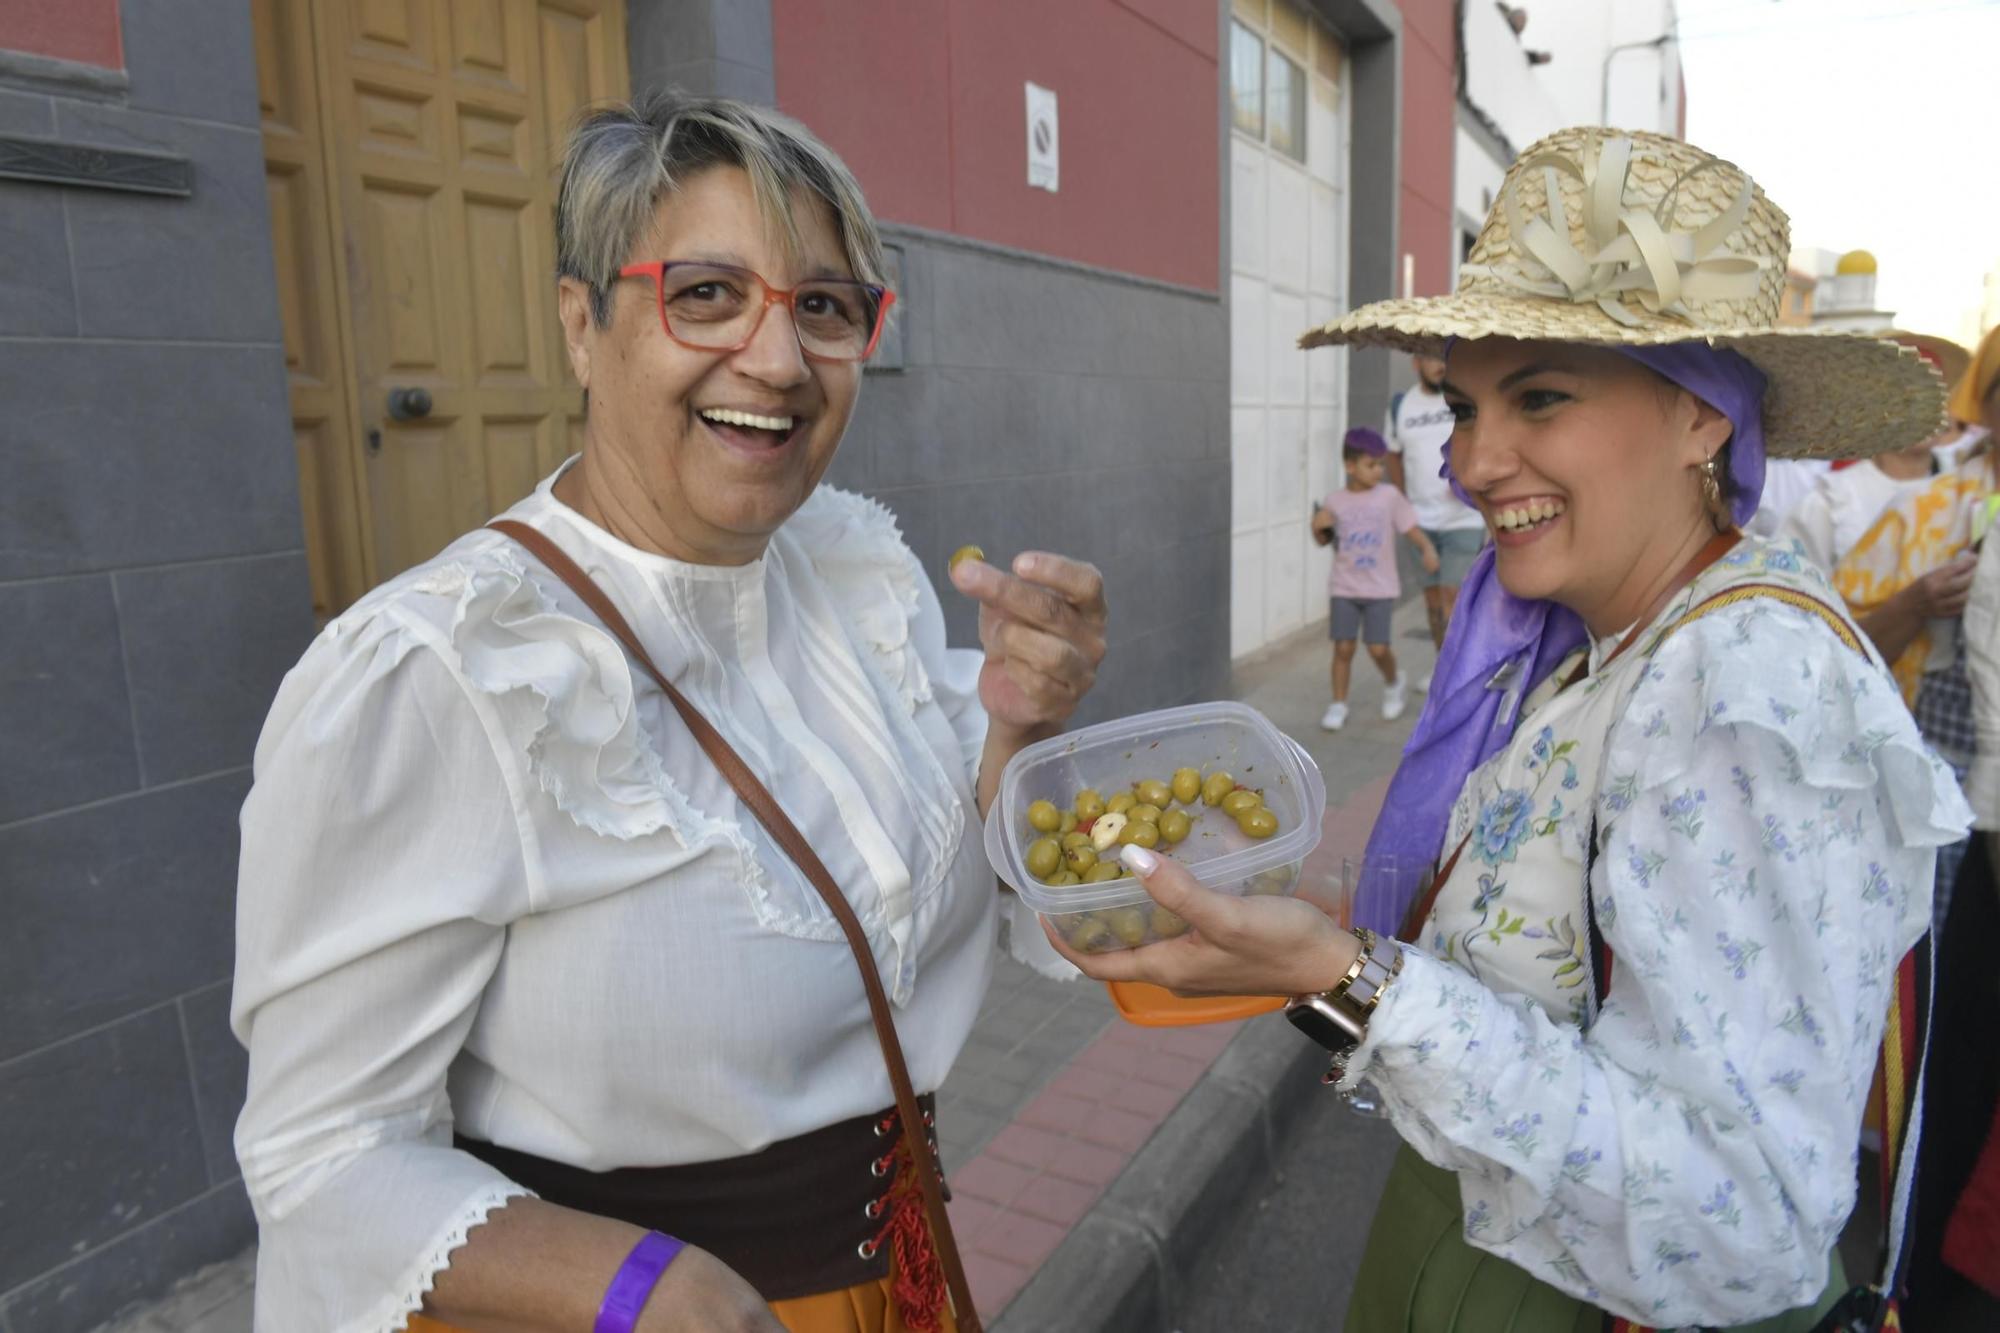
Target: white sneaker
[(1394, 697), (1334, 718), (1424, 685)]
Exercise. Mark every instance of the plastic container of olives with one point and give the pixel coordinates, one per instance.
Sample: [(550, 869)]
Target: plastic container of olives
[(1212, 738)]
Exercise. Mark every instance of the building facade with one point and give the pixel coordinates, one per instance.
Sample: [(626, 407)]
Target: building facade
[(1531, 69), (237, 235)]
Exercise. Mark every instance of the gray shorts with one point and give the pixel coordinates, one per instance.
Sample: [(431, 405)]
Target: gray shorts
[(1365, 618), (1456, 548)]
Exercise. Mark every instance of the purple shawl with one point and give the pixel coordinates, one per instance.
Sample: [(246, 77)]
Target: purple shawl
[(1499, 646)]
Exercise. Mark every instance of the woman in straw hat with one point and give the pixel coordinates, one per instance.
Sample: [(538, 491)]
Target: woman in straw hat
[(1686, 824)]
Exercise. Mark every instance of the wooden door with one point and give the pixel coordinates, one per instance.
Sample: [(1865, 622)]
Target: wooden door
[(441, 125)]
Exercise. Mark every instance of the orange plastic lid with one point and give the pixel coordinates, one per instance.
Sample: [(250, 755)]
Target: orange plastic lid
[(1152, 1006)]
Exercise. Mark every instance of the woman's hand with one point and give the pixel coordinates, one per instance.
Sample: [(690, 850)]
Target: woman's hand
[(700, 1294), (1239, 946), (1042, 627)]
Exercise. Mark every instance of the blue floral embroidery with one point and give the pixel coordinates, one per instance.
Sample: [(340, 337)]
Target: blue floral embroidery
[(1503, 826), (1520, 1133), (1744, 782)]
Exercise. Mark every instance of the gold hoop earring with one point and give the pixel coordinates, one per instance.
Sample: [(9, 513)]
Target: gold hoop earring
[(1711, 487)]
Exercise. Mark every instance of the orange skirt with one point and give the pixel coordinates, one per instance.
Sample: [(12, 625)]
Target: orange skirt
[(865, 1308)]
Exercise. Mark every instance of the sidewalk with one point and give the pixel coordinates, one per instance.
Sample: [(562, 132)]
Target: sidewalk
[(1087, 1156)]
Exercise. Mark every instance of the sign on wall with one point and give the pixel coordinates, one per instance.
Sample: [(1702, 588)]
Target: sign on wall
[(1042, 140)]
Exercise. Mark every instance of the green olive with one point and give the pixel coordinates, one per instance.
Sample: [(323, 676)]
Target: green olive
[(1044, 857), (1074, 838), (1120, 804), (1102, 871), (1081, 859), (1167, 925), (1068, 823), (1064, 878), (1186, 786), (1239, 801), (1090, 935), (1258, 823), (1089, 805), (1174, 826), (1139, 833), (1128, 924), (962, 554), (1043, 816), (1216, 786), (1153, 792)]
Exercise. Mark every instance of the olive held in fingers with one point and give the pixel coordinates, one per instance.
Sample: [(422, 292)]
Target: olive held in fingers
[(961, 555)]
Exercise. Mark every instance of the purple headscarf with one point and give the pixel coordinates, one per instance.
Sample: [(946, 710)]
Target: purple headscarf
[(1499, 646)]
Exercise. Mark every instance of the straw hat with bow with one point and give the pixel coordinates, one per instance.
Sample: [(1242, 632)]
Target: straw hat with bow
[(1617, 238)]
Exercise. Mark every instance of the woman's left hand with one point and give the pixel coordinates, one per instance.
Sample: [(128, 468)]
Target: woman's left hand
[(1042, 627), (1239, 946)]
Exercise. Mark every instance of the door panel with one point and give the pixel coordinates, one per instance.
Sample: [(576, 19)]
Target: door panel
[(316, 364), (415, 142)]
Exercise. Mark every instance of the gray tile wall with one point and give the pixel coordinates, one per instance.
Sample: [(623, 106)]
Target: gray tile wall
[(1044, 405), (152, 592)]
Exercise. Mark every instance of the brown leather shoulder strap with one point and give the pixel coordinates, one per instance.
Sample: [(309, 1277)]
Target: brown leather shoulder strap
[(754, 795)]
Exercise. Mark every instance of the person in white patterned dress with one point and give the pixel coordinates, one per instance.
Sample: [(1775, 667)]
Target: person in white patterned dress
[(1646, 729)]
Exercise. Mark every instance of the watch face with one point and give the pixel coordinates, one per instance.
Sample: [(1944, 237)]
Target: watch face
[(1309, 1017)]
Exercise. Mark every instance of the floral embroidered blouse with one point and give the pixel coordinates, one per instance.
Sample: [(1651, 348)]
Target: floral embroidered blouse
[(1766, 818)]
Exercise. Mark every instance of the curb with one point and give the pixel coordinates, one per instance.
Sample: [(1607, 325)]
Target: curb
[(1121, 1269)]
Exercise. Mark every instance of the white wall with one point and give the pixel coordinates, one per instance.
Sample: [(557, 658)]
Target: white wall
[(1528, 101), (1645, 82), (1499, 80)]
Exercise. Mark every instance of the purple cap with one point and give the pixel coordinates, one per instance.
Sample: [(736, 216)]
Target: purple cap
[(1365, 441)]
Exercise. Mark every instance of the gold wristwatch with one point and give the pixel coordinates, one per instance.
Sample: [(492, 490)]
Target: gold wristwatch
[(1337, 1018)]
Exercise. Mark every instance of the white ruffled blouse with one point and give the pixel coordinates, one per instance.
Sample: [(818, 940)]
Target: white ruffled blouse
[(1767, 819), (490, 883)]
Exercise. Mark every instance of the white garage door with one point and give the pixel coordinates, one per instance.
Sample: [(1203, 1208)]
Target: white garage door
[(1288, 234)]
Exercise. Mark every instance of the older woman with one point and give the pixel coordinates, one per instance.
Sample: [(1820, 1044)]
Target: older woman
[(1645, 729), (534, 1003)]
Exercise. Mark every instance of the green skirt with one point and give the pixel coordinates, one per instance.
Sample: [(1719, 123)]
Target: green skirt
[(1419, 1276)]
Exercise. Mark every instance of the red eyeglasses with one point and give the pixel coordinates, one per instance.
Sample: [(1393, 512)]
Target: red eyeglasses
[(719, 308)]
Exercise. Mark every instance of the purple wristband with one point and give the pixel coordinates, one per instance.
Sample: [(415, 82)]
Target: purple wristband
[(634, 1281)]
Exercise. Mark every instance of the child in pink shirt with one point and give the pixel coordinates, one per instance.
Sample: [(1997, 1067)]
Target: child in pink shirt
[(1362, 520)]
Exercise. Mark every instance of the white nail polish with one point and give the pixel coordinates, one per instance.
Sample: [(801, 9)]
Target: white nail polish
[(1138, 860)]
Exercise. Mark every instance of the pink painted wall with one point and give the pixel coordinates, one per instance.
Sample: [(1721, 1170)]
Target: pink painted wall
[(1424, 220), (81, 30), (925, 101)]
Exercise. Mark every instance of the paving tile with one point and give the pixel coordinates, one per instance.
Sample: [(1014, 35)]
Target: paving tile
[(969, 1216), (1146, 1099), (993, 1280), (1054, 1199), (1112, 1128), (991, 1179), (1088, 1084), (1114, 1059), (1021, 1239), (1177, 1072), (1087, 1163), (1026, 1145), (1057, 1111)]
